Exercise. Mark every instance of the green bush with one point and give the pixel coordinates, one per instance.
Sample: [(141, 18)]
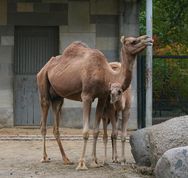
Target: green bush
[(170, 82)]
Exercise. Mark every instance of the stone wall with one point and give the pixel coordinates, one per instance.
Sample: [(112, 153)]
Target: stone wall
[(6, 70), (93, 22)]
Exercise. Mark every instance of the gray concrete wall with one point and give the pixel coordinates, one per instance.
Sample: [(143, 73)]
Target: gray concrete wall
[(129, 26), (6, 69), (93, 22)]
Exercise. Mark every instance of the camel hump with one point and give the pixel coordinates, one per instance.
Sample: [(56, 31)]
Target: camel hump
[(81, 44), (76, 48)]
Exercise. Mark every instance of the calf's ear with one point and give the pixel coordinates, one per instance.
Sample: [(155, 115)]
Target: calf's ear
[(122, 39)]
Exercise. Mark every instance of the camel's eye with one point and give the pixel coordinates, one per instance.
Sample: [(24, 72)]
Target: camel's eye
[(119, 92), (134, 42)]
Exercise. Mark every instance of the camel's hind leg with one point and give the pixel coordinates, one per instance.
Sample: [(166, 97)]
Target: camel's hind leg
[(56, 107), (44, 111), (43, 87)]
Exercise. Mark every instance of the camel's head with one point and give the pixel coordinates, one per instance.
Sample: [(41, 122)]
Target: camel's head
[(136, 45), (115, 92)]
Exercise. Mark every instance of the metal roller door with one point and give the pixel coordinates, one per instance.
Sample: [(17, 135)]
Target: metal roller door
[(33, 48)]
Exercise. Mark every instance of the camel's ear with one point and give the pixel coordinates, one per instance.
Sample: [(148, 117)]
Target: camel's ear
[(120, 91), (122, 39)]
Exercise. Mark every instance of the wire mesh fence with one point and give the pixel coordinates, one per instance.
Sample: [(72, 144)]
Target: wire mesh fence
[(170, 86)]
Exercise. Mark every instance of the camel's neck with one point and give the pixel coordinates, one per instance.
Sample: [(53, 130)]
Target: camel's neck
[(127, 64)]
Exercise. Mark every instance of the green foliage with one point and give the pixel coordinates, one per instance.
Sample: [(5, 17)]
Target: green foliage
[(170, 33), (170, 21), (171, 78), (170, 82)]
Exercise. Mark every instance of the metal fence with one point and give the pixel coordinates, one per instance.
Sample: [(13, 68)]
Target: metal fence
[(170, 88)]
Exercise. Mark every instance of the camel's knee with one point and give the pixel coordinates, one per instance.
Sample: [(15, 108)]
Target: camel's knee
[(86, 135), (123, 138), (95, 134), (114, 135), (43, 131), (105, 138), (56, 133)]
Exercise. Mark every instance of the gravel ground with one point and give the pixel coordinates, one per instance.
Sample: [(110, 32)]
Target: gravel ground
[(21, 152)]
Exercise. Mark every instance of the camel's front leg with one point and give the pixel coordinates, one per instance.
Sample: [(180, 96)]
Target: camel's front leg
[(99, 112), (125, 118), (114, 138), (87, 101), (105, 138)]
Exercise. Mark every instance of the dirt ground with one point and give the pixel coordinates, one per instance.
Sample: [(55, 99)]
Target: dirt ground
[(21, 151)]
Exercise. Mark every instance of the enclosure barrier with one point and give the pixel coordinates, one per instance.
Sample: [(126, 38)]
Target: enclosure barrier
[(170, 88)]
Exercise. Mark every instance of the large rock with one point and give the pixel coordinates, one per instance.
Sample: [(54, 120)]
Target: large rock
[(173, 163), (149, 144), (140, 147)]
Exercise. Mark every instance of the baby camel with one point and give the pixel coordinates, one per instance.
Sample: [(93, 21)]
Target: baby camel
[(119, 102)]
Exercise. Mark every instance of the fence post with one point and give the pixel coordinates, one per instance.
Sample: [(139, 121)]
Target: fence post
[(149, 65), (141, 99)]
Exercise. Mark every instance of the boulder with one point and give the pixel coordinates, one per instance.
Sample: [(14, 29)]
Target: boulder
[(140, 147), (149, 144), (173, 163)]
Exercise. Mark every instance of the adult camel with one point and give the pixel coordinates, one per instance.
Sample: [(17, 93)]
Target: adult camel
[(130, 48), (82, 74)]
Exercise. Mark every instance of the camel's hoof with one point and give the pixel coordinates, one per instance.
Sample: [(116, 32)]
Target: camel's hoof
[(95, 164), (123, 162), (116, 161), (45, 160), (81, 166), (67, 161)]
